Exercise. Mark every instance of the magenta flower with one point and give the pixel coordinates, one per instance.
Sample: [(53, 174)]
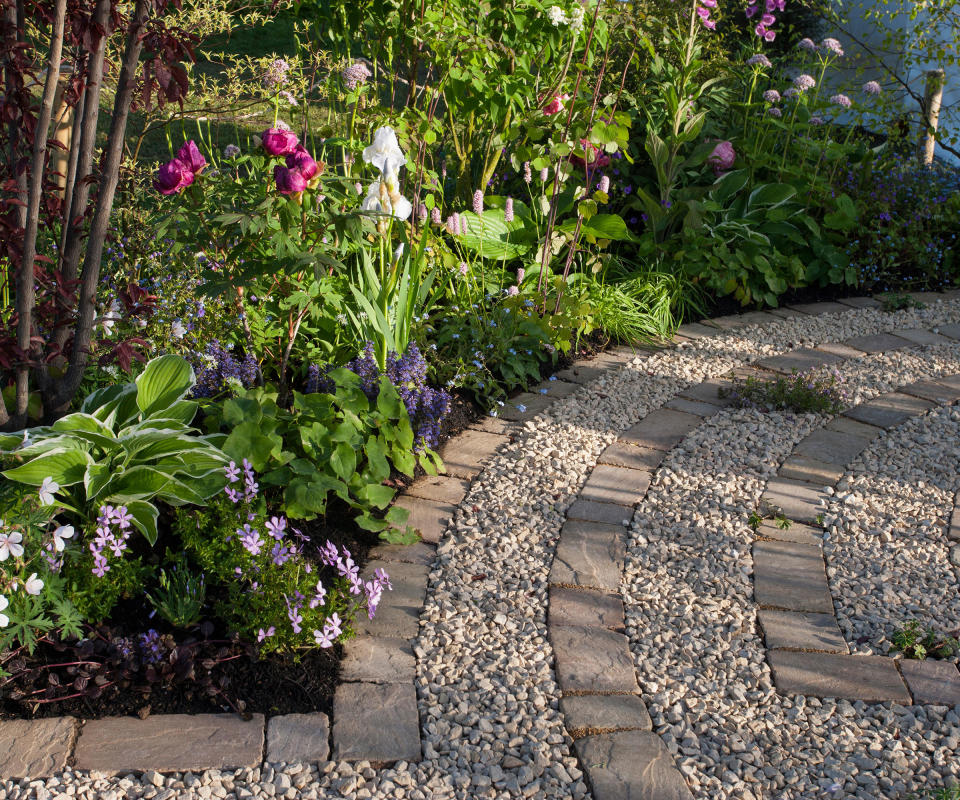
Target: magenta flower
[(300, 159), (556, 105), (722, 158), (289, 181), (173, 177), (279, 142), (478, 202), (189, 155)]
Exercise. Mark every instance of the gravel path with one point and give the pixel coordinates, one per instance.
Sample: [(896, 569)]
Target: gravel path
[(488, 697)]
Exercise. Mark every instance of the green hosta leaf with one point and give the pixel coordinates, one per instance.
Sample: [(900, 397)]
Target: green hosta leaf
[(771, 194), (491, 236), (137, 483), (63, 465), (163, 382), (144, 518), (81, 421), (95, 478)]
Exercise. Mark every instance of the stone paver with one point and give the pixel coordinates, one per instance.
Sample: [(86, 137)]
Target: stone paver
[(467, 454), (798, 631), (593, 660), (442, 488), (697, 330), (429, 517), (816, 309), (585, 714), (556, 389), (170, 743), (935, 392), (785, 313), (589, 555), (832, 447), (585, 607), (398, 615), (495, 425), (953, 529), (790, 576), (697, 407), (607, 513), (708, 392), (951, 331), (610, 484), (873, 679), (662, 429), (849, 426), (631, 765), (35, 748), (836, 348), (794, 499), (298, 737), (734, 321), (417, 553), (796, 532), (878, 343), (524, 406), (889, 410), (378, 659), (860, 302), (620, 454), (922, 337), (376, 722), (810, 470), (932, 681), (799, 360)]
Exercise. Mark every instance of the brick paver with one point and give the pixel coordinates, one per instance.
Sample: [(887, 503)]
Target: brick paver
[(662, 429), (620, 454), (589, 555), (585, 714), (799, 360), (441, 488), (428, 517), (570, 606), (378, 659), (878, 343), (466, 455), (889, 410), (794, 499), (298, 738), (592, 511)]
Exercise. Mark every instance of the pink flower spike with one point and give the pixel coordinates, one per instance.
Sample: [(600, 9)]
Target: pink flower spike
[(768, 19)]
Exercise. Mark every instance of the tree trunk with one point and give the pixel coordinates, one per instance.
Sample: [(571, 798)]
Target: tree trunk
[(26, 283), (65, 388)]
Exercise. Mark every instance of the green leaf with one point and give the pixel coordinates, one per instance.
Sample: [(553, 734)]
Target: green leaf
[(343, 460), (145, 518), (377, 495), (491, 236), (63, 465), (163, 382), (772, 194)]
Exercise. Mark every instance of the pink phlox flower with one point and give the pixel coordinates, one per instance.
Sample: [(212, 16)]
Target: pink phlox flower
[(356, 585), (232, 494), (265, 634), (232, 472), (250, 539), (122, 517), (319, 595), (333, 623), (276, 526), (323, 638)]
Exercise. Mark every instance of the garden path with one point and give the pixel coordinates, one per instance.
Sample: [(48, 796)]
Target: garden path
[(599, 619)]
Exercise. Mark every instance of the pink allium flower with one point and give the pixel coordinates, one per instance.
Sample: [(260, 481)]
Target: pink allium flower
[(804, 82), (722, 158), (556, 105), (508, 210), (833, 46), (759, 60), (544, 174), (173, 177), (771, 96), (790, 93), (279, 142), (478, 202), (289, 181), (841, 100), (300, 159), (775, 112), (231, 151), (807, 44), (355, 75), (872, 87), (453, 224), (189, 154), (276, 74)]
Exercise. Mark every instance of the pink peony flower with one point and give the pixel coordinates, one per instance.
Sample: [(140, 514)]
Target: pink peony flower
[(300, 159), (556, 105), (173, 177), (189, 154), (722, 157), (289, 181), (279, 142)]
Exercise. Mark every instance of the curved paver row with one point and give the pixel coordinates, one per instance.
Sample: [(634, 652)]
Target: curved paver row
[(376, 717)]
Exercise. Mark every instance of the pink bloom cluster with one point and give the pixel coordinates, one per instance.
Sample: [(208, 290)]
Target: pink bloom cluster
[(722, 158), (178, 173), (703, 11), (556, 105), (767, 19), (300, 167), (107, 539)]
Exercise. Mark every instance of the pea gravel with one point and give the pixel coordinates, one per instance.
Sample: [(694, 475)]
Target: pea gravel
[(488, 698)]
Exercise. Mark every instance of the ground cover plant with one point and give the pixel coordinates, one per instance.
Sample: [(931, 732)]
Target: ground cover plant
[(239, 316)]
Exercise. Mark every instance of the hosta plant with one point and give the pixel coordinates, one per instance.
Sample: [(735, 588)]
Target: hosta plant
[(128, 445)]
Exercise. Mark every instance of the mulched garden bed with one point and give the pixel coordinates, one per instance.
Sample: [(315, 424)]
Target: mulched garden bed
[(209, 671)]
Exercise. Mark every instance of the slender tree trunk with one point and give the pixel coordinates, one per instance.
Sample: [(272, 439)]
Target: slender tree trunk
[(26, 282), (72, 160), (66, 387), (88, 138)]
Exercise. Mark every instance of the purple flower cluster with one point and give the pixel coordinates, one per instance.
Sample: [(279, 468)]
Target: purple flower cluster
[(113, 542), (767, 19), (152, 649), (218, 365), (425, 405), (250, 485)]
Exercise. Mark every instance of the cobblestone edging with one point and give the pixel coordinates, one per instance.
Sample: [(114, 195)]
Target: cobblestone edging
[(376, 718)]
